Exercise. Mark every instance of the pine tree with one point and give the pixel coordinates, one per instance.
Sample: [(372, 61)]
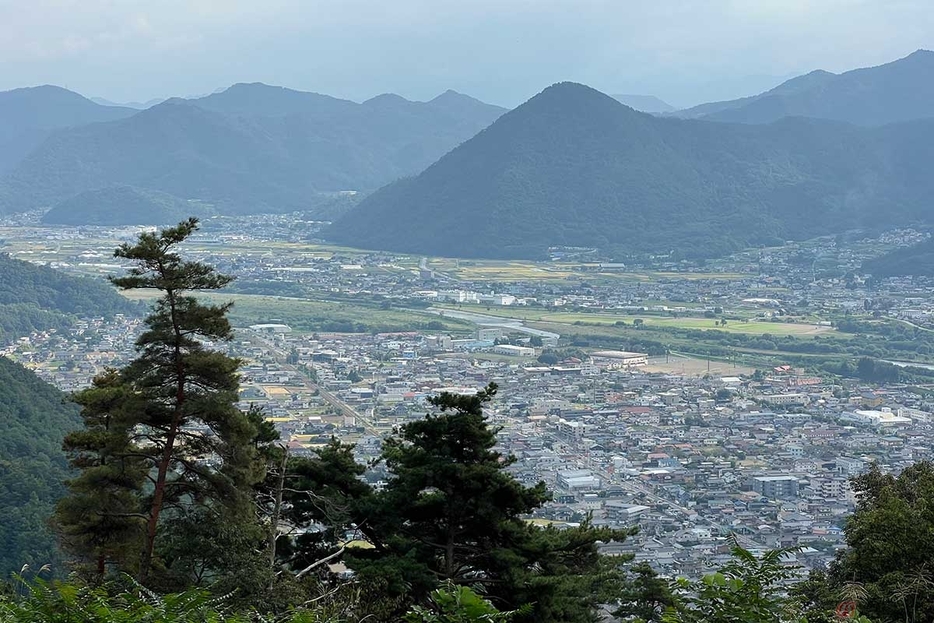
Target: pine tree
[(100, 520), (450, 512), (173, 418)]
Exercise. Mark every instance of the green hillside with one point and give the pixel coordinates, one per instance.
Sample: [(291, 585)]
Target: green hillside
[(38, 298), (915, 260), (121, 205), (34, 417), (574, 167)]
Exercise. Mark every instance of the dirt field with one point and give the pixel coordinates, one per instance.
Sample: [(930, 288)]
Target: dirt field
[(689, 366)]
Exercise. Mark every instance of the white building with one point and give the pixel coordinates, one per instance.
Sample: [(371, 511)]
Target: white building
[(884, 418), (514, 351), (615, 359), (578, 479)]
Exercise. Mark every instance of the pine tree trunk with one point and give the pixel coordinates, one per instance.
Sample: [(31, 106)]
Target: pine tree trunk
[(155, 509), (158, 496)]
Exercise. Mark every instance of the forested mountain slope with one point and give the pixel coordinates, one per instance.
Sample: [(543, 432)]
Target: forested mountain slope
[(914, 260), (122, 205), (34, 417), (38, 297), (252, 148), (574, 167), (29, 115)]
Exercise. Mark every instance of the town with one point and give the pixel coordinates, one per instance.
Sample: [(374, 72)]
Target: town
[(675, 397)]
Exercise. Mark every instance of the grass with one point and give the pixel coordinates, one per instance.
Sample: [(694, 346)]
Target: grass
[(506, 271), (322, 315), (602, 318)]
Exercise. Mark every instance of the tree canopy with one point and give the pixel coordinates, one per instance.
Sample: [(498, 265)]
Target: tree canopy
[(451, 512), (165, 452), (38, 298), (34, 417)]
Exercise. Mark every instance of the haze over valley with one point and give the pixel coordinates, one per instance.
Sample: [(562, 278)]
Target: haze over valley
[(819, 154), (551, 312)]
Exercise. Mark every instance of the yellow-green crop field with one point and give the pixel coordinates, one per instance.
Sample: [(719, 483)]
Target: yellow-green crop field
[(318, 315), (610, 319), (499, 270)]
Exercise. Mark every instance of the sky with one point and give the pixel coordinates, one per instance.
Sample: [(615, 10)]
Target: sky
[(501, 51)]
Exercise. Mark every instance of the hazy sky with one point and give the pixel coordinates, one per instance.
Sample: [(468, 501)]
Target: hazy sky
[(502, 51)]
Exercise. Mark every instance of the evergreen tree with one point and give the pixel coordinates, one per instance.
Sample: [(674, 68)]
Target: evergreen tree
[(170, 416), (451, 513), (100, 520), (645, 596)]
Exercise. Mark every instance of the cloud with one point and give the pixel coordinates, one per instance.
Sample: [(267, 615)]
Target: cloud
[(504, 50)]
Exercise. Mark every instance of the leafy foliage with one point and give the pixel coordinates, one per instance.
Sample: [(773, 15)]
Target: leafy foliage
[(890, 550), (458, 604), (449, 512), (125, 601), (644, 596), (68, 603), (163, 441), (747, 589)]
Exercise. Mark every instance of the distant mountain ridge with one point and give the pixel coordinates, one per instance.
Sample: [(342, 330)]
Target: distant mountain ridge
[(29, 115), (251, 148), (259, 148), (122, 205), (137, 105), (898, 91), (644, 103), (574, 167)]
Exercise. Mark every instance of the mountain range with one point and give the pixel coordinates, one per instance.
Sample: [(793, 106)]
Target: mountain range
[(251, 148), (28, 116), (898, 91), (137, 105), (571, 167), (645, 103), (574, 167)]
